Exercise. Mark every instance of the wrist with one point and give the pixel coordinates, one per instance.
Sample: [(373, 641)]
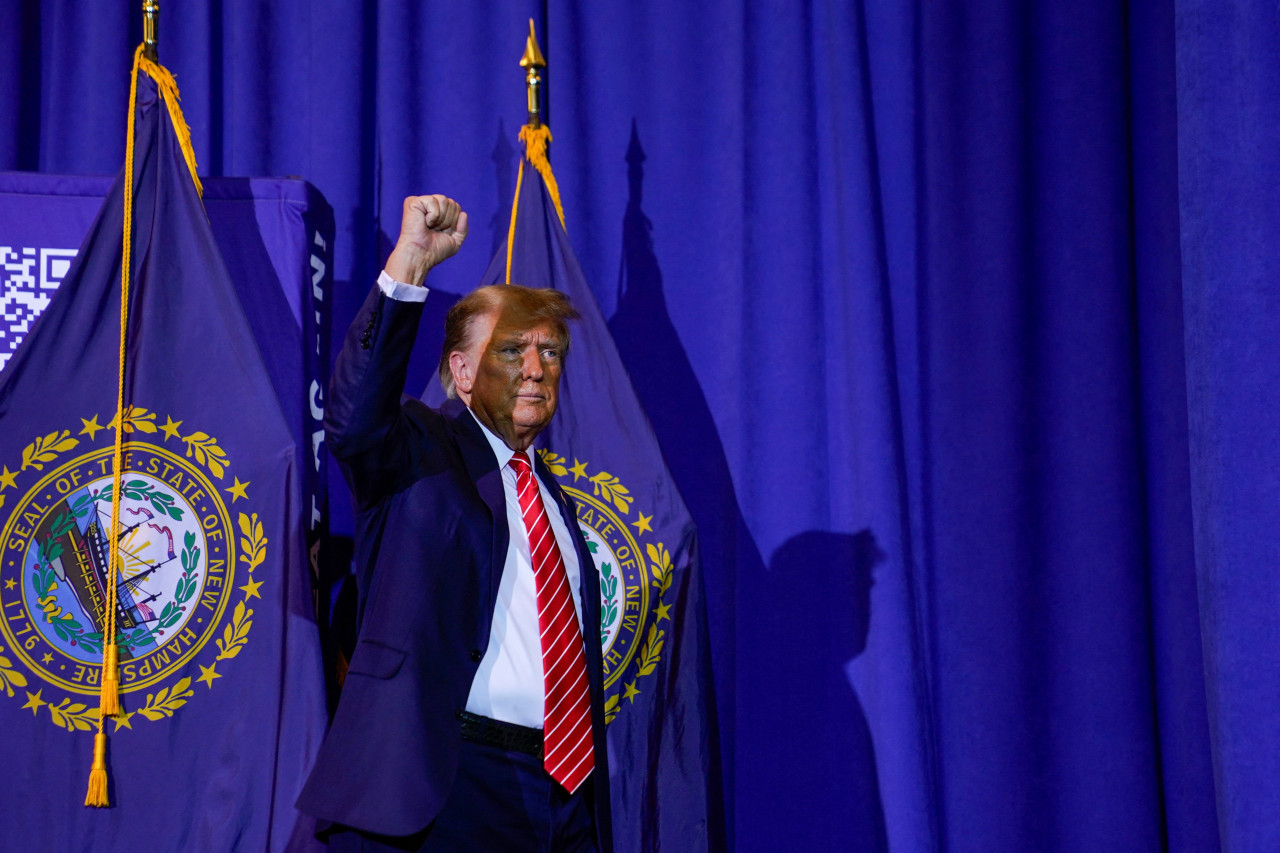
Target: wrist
[(409, 264)]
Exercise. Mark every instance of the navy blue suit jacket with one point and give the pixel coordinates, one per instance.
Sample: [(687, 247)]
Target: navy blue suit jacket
[(431, 542)]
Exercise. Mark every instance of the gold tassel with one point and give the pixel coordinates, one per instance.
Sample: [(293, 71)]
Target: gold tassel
[(97, 796), (109, 696), (511, 230), (109, 693), (535, 141), (168, 87)]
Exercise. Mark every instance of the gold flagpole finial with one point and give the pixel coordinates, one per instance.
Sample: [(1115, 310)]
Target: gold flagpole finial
[(533, 62), (150, 22)]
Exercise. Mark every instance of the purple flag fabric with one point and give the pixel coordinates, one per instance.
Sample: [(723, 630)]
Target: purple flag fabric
[(600, 446), (220, 675)]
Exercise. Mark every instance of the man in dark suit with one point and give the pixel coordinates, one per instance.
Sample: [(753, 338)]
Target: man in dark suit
[(472, 715)]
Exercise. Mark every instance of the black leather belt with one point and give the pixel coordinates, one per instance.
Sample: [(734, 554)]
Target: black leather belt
[(490, 732)]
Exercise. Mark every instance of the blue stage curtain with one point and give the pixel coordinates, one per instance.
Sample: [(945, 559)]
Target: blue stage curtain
[(1228, 83), (957, 322)]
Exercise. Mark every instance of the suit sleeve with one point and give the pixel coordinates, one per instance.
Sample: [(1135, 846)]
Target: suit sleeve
[(366, 430)]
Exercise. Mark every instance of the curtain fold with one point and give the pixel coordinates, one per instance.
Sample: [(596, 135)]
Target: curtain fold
[(1228, 79)]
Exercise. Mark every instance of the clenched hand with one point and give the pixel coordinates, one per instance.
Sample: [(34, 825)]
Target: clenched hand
[(432, 229)]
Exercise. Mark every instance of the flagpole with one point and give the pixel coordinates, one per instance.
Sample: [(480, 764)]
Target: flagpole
[(150, 23), (535, 135), (533, 62)]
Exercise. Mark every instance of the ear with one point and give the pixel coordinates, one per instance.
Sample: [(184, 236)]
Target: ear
[(463, 371)]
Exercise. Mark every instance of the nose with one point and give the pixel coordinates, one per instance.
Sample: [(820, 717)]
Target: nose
[(532, 367)]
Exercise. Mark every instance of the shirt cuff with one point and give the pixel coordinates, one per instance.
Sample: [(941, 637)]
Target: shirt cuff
[(399, 291)]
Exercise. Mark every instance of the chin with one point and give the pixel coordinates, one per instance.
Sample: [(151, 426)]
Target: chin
[(535, 425), (529, 423)]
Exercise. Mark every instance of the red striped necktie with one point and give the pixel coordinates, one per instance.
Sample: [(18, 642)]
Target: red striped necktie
[(567, 710)]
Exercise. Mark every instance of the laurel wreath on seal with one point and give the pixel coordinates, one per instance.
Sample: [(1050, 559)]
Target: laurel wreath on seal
[(235, 635), (554, 461), (9, 677), (46, 449), (609, 592), (167, 700), (610, 488), (74, 716), (136, 418), (207, 452), (252, 543)]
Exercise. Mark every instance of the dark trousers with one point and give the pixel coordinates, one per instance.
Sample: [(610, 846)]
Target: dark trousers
[(501, 801)]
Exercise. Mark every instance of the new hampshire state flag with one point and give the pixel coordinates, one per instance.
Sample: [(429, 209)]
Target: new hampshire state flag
[(604, 454), (219, 665)]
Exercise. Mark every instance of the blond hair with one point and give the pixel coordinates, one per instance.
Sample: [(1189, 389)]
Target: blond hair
[(531, 306)]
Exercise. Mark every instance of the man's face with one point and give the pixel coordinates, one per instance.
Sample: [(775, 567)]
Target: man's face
[(516, 378)]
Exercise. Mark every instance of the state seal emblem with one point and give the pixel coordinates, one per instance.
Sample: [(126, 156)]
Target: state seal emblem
[(635, 576), (186, 558)]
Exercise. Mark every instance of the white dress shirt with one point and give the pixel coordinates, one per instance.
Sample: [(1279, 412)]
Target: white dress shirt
[(508, 684)]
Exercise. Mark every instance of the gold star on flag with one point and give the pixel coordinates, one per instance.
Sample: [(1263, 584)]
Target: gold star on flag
[(9, 583), (34, 702), (579, 469), (251, 589), (207, 675), (47, 658), (122, 720), (7, 479), (91, 427), (630, 692), (170, 429), (237, 490), (664, 612), (643, 524)]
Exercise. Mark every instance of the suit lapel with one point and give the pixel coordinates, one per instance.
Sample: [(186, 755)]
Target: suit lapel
[(482, 467)]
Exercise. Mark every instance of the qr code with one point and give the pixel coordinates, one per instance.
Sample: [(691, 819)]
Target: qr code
[(28, 278)]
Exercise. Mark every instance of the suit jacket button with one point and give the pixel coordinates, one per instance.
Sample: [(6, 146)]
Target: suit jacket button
[(476, 655)]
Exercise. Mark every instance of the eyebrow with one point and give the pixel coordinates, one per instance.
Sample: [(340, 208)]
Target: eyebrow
[(523, 339)]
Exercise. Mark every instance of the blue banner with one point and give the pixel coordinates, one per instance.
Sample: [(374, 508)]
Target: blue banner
[(276, 237), (220, 675), (604, 454)]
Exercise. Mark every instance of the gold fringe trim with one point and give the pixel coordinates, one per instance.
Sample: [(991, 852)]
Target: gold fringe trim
[(536, 140), (168, 87)]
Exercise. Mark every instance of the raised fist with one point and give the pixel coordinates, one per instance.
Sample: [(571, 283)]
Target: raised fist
[(432, 229)]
